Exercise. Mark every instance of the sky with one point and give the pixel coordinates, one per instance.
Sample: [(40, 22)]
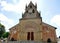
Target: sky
[(11, 11)]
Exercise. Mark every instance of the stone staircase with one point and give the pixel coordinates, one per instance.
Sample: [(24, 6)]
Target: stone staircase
[(24, 42)]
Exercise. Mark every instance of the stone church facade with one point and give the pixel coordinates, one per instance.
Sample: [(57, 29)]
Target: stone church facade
[(31, 27)]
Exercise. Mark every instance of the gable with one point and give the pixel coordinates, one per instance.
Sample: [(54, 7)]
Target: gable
[(47, 25)]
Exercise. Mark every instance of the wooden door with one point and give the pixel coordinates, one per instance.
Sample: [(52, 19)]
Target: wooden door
[(28, 36), (32, 35)]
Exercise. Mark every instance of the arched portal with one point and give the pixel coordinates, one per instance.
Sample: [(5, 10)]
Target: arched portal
[(12, 39), (49, 40)]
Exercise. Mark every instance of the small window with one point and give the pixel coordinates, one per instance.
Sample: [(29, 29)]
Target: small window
[(33, 11), (30, 6), (27, 11)]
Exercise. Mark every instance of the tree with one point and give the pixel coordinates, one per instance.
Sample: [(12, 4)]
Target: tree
[(2, 30), (5, 35)]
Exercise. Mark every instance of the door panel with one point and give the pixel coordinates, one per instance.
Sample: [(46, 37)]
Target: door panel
[(32, 36), (28, 36)]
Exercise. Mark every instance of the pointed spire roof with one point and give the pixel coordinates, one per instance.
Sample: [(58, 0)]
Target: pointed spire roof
[(31, 3)]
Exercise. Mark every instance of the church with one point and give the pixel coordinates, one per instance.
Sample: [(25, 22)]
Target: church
[(31, 27)]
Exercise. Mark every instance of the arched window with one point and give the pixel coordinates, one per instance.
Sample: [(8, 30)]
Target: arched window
[(27, 11), (33, 11), (30, 6)]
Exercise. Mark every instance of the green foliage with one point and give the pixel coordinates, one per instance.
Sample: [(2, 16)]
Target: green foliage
[(5, 35), (2, 30)]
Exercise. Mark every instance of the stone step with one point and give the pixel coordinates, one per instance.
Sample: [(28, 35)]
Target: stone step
[(24, 42)]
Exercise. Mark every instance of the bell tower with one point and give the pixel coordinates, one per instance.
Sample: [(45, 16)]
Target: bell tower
[(31, 23), (31, 12)]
